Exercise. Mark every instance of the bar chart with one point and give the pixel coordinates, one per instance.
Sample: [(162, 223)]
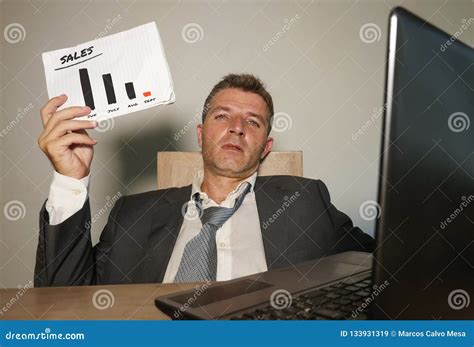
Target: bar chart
[(108, 86)]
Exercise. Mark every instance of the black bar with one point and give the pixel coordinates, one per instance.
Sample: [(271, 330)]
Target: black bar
[(130, 90), (109, 88), (86, 88)]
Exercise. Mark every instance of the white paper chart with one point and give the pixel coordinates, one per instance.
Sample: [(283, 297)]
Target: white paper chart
[(114, 75)]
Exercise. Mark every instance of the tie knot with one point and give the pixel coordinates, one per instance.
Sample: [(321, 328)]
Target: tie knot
[(219, 215)]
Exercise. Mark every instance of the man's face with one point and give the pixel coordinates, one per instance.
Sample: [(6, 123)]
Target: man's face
[(234, 137)]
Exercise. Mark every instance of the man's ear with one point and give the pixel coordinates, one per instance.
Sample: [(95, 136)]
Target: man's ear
[(268, 147), (199, 134)]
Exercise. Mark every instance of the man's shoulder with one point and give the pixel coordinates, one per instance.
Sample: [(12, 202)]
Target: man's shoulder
[(173, 194), (286, 181)]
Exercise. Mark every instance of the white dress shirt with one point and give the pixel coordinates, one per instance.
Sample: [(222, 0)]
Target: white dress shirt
[(239, 241)]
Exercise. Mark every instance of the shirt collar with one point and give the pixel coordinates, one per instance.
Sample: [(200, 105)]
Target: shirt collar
[(199, 176)]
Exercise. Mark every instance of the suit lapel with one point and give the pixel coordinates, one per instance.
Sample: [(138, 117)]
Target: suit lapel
[(273, 225), (166, 222)]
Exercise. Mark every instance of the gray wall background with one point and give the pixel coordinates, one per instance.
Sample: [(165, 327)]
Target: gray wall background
[(326, 79)]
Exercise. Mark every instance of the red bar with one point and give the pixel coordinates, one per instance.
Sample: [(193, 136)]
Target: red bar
[(145, 94)]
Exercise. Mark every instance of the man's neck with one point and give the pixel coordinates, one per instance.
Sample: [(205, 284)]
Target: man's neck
[(218, 187)]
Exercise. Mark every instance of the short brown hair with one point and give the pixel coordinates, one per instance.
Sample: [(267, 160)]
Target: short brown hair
[(246, 83)]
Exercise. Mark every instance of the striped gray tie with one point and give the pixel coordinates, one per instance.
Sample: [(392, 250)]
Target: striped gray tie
[(199, 261)]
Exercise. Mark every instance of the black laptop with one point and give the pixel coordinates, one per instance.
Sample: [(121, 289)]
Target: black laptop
[(423, 265)]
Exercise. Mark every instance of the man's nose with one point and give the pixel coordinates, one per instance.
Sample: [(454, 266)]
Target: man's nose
[(237, 127)]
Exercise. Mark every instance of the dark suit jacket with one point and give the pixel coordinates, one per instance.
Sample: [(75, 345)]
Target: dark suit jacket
[(136, 244)]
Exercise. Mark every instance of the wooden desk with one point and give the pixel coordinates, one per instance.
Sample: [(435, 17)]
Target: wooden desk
[(134, 301)]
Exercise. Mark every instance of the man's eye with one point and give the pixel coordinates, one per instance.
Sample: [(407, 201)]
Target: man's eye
[(220, 116), (254, 123)]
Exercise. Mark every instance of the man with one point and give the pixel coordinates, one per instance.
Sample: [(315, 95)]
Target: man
[(228, 223)]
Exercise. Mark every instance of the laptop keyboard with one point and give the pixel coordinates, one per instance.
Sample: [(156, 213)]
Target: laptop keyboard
[(342, 300)]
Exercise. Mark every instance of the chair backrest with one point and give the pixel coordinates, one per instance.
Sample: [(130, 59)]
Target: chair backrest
[(176, 169)]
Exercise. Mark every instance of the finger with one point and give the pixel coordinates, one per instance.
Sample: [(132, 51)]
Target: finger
[(66, 114), (73, 138), (70, 125), (83, 131), (51, 106), (63, 127)]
